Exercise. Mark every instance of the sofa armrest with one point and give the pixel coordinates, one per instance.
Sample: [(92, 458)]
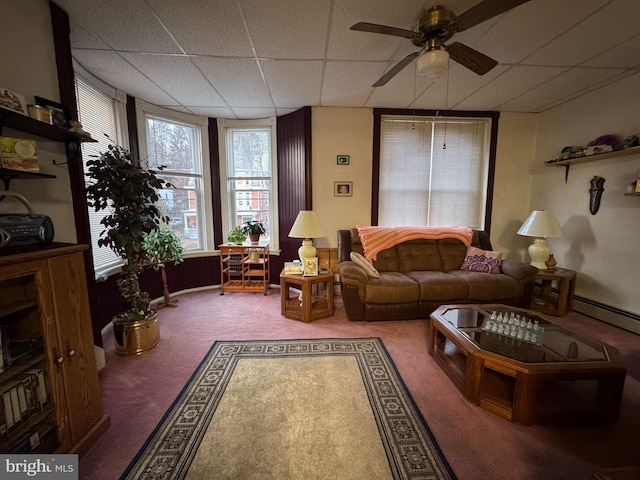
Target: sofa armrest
[(352, 274), (519, 270)]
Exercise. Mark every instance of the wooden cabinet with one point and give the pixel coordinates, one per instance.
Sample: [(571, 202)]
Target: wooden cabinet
[(244, 268), (46, 327)]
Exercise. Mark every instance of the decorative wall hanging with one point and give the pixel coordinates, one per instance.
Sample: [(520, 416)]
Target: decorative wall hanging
[(595, 193), (343, 160)]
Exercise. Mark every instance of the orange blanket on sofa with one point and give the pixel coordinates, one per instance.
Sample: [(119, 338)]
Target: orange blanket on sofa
[(376, 239)]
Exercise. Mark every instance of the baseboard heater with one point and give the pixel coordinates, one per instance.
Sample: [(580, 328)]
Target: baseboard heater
[(615, 316)]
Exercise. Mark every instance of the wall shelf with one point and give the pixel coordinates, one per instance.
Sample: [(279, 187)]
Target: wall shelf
[(17, 121), (590, 158)]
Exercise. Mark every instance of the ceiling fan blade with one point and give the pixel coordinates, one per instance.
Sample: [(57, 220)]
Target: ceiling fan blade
[(384, 29), (393, 71), (484, 11), (472, 59)]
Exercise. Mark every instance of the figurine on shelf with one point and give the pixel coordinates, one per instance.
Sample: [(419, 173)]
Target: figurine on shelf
[(76, 127)]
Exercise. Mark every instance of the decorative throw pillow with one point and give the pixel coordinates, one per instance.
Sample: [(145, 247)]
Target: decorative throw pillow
[(478, 260), (364, 263)]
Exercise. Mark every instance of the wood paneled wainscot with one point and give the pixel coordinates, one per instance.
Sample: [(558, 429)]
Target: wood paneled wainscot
[(46, 329)]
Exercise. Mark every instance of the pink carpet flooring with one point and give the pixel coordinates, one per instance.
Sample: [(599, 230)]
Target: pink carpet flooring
[(137, 391)]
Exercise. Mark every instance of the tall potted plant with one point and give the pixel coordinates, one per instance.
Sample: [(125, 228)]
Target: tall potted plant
[(129, 196), (162, 246)]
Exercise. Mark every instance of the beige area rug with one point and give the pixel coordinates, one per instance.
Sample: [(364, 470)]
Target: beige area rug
[(293, 409)]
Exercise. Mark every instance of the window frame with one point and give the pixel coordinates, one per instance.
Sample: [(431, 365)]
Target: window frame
[(224, 126), (204, 197), (378, 113)]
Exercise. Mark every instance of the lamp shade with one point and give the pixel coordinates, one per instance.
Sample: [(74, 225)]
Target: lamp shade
[(432, 62), (540, 223), (307, 225)]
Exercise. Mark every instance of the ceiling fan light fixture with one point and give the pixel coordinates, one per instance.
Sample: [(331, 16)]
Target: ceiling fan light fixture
[(431, 63)]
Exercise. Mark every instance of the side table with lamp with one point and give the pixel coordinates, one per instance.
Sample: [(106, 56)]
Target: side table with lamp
[(541, 224), (316, 289)]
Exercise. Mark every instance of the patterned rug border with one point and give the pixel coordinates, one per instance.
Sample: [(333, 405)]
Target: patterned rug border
[(402, 428)]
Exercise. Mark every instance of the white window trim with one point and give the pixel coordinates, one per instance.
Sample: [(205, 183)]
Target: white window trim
[(227, 222), (143, 108)]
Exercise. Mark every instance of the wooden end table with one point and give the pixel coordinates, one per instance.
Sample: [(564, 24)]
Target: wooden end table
[(546, 300), (314, 299)]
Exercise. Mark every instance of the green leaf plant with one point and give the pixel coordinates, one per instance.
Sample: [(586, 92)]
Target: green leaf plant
[(129, 196)]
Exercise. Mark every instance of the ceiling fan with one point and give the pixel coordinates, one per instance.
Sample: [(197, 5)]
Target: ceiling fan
[(434, 27)]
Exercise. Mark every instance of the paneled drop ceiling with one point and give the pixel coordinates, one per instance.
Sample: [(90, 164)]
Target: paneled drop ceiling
[(260, 58)]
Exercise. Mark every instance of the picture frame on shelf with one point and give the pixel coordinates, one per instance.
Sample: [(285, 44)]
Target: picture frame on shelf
[(343, 160), (13, 101), (310, 267), (60, 115), (342, 189)]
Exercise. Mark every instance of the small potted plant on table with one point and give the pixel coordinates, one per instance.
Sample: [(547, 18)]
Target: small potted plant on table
[(254, 229)]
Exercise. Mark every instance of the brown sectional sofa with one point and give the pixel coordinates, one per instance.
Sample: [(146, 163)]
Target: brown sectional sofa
[(417, 276)]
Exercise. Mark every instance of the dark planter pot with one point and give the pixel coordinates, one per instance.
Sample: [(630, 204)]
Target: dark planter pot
[(254, 237)]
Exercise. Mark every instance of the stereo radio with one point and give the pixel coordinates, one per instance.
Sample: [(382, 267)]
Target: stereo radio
[(21, 230)]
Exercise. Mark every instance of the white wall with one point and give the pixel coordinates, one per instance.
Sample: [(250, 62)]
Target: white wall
[(341, 131), (350, 131), (602, 248), (514, 155), (29, 68)]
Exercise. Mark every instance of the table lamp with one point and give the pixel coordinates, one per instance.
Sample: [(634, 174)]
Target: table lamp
[(540, 224), (307, 226)]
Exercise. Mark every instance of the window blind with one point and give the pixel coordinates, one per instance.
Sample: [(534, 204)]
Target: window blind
[(423, 184), (97, 113)]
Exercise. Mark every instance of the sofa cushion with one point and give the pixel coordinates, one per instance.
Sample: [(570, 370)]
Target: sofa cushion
[(419, 255), (439, 286), (478, 260), (365, 264), (391, 287), (483, 287), (452, 253)]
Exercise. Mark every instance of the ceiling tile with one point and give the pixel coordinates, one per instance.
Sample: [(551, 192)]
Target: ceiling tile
[(280, 30), (111, 68), (511, 84), (348, 84), (620, 56), (172, 74), (251, 112), (213, 112), (237, 80), (82, 38), (559, 88), (294, 83), (522, 30), (612, 24), (127, 25), (213, 27)]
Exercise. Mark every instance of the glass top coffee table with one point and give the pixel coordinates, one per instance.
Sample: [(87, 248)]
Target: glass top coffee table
[(520, 365)]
